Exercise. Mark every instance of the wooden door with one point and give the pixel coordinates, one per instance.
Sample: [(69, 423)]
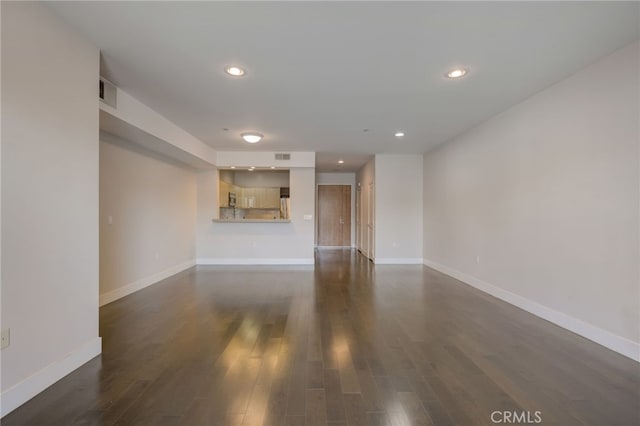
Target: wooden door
[(358, 216), (334, 215), (370, 222)]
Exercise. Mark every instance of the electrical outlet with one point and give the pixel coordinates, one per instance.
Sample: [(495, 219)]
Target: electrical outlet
[(477, 260), (308, 217), (4, 338)]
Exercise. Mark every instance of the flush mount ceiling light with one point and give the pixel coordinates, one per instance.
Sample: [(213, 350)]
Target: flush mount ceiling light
[(233, 167), (399, 134), (273, 167), (457, 73), (251, 137), (340, 161), (235, 71)]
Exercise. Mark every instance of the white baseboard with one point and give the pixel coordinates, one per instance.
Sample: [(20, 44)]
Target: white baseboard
[(125, 290), (605, 338), (254, 261), (398, 261), (23, 391)]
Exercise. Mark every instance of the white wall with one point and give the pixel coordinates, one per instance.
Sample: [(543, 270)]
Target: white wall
[(49, 200), (136, 121), (547, 195), (262, 179), (257, 243), (243, 159), (398, 201), (340, 179), (151, 202)]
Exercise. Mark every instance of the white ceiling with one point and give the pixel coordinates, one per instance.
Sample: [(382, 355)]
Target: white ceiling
[(328, 161), (318, 74)]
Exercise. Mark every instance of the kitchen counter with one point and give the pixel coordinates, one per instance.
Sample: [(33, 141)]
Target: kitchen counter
[(251, 220)]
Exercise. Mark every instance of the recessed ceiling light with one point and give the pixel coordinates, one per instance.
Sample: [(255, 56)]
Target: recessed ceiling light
[(457, 73), (399, 134), (251, 137), (340, 161), (235, 71)]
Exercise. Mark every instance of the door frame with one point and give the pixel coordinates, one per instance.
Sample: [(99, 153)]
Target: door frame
[(371, 222), (352, 219), (358, 217)]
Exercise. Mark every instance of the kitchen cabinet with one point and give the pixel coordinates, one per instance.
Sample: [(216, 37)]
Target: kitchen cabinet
[(239, 196), (272, 197), (247, 197), (224, 189), (263, 198)]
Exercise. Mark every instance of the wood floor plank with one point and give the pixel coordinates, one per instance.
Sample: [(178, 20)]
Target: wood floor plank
[(333, 395), (345, 343), (354, 408), (296, 395), (316, 414), (414, 409), (315, 375), (373, 401), (378, 419)]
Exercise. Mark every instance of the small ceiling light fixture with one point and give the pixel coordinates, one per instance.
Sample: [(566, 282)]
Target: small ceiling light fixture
[(457, 73), (273, 167), (340, 161), (252, 137), (233, 167), (235, 71), (399, 134)]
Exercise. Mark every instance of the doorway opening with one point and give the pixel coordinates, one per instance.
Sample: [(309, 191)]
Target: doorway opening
[(334, 216)]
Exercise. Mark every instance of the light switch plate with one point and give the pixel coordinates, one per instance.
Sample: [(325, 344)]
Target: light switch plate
[(4, 338), (308, 217)]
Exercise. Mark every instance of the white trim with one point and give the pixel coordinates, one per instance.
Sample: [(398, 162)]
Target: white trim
[(23, 391), (605, 338), (398, 261), (125, 290), (254, 261), (334, 247)]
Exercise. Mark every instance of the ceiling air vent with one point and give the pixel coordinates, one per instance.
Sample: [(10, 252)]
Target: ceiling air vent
[(107, 93), (283, 156)]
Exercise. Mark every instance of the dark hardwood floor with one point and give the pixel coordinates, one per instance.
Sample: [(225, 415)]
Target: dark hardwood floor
[(345, 343)]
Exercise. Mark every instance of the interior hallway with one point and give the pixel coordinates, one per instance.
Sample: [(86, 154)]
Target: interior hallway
[(346, 343)]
